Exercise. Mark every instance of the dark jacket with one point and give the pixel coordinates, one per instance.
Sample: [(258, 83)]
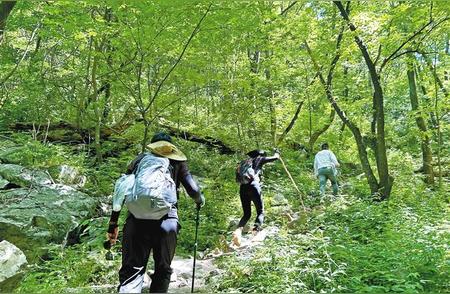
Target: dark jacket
[(259, 161), (257, 165)]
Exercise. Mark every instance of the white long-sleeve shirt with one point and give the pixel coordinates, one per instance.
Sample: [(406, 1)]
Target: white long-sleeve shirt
[(324, 158)]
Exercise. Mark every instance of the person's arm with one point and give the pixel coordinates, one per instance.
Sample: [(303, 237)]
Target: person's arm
[(113, 225), (316, 163), (268, 159), (334, 159), (190, 185)]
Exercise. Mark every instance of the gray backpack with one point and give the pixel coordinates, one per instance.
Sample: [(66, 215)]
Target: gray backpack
[(154, 190)]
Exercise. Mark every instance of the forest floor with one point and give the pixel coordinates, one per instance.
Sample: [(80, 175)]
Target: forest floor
[(347, 243)]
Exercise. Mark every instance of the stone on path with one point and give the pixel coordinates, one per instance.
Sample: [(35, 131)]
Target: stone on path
[(12, 261)]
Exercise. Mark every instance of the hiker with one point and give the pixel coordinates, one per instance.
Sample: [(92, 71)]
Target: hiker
[(325, 164), (142, 234), (248, 176)]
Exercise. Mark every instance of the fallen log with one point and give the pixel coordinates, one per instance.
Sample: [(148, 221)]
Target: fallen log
[(207, 141)]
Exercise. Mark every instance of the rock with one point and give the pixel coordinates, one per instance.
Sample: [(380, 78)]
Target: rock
[(68, 175), (12, 261), (33, 217), (3, 183), (24, 177), (181, 278), (11, 153)]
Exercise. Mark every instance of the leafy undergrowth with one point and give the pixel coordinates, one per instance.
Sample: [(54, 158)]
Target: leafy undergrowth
[(352, 245), (346, 244)]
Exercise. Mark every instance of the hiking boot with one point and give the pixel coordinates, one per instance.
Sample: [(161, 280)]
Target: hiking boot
[(236, 237), (256, 230)]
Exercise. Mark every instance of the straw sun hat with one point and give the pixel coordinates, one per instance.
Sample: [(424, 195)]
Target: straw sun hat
[(166, 149)]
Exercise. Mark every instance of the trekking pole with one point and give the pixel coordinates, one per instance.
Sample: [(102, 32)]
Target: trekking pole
[(197, 221), (293, 182)]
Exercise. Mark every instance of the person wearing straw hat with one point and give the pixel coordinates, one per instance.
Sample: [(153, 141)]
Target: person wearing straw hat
[(250, 191), (140, 236)]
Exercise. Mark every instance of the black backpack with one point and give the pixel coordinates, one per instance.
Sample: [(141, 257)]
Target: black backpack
[(245, 174)]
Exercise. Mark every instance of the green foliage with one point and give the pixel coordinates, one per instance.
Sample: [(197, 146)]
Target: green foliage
[(215, 174), (108, 66), (34, 153), (65, 268), (351, 246)]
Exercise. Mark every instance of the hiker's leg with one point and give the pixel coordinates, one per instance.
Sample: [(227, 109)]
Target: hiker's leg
[(244, 193), (322, 182), (165, 242), (135, 253), (332, 177), (259, 205)]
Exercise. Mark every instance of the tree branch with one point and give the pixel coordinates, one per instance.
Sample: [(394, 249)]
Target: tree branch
[(287, 8), (291, 124), (194, 32), (387, 59)]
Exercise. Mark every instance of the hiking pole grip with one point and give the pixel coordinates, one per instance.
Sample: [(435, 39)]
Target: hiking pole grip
[(293, 182), (197, 221)]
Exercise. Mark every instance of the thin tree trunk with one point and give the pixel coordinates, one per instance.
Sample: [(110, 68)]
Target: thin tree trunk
[(272, 108), (313, 138), (98, 114), (385, 180), (291, 124), (5, 10), (427, 158), (438, 126), (371, 179)]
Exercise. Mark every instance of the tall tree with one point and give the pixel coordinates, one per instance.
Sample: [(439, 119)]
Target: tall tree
[(427, 157)]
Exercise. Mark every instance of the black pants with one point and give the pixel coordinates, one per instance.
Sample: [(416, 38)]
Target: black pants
[(139, 238), (251, 193)]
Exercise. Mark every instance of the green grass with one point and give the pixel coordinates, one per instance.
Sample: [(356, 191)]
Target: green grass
[(350, 244)]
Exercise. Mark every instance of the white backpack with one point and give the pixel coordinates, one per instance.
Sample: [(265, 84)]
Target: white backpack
[(154, 191)]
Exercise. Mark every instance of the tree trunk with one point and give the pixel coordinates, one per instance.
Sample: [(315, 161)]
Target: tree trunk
[(98, 114), (314, 136), (272, 107), (146, 129), (385, 180), (291, 124), (5, 10), (371, 179), (427, 158)]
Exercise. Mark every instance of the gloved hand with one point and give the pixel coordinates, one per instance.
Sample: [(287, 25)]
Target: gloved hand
[(200, 202), (113, 233)]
